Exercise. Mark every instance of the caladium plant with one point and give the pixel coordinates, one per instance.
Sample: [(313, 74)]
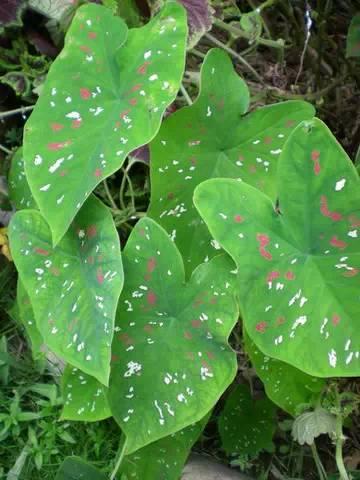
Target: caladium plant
[(104, 96), (210, 139), (171, 358), (73, 287), (299, 262)]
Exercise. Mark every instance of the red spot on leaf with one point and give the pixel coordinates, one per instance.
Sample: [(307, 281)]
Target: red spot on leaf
[(280, 320), (133, 101), (196, 323), (125, 339), (85, 93), (41, 251), (289, 275), (55, 271), (326, 212), (56, 127), (263, 243), (58, 145), (187, 335), (92, 35), (142, 69), (170, 195), (91, 231), (354, 221), (268, 140), (335, 320), (289, 123), (114, 358), (261, 327), (136, 87), (272, 276), (151, 264), (97, 173), (124, 113), (351, 273), (99, 275), (238, 218), (85, 49), (315, 156), (76, 123), (335, 242), (151, 298)]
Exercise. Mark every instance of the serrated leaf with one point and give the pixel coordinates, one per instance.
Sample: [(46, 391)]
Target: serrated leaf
[(164, 459), (27, 319), (74, 468), (211, 139), (74, 287), (171, 357), (298, 269), (309, 425), (285, 385), (246, 425), (101, 100), (19, 191), (84, 397), (353, 37)]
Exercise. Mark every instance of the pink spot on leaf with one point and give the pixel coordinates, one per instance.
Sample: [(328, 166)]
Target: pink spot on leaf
[(92, 35), (143, 68), (289, 275), (58, 145), (261, 327), (335, 242), (99, 275), (335, 320), (56, 127), (238, 218), (151, 298), (85, 93), (97, 173), (41, 251), (272, 276), (151, 264), (91, 231), (263, 243), (315, 156), (335, 216)]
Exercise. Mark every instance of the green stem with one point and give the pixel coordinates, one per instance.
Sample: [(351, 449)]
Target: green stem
[(120, 457), (232, 52), (185, 95), (242, 34), (318, 463), (339, 444), (109, 196), (21, 110), (5, 150)]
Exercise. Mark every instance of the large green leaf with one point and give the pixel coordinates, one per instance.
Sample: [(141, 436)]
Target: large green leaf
[(84, 397), (19, 191), (171, 359), (211, 139), (246, 425), (101, 100), (74, 287), (74, 468), (164, 459), (299, 264), (285, 385)]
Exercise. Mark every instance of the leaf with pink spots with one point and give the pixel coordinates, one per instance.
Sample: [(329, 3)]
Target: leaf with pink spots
[(73, 287), (171, 358), (299, 262), (104, 96), (84, 397), (214, 138)]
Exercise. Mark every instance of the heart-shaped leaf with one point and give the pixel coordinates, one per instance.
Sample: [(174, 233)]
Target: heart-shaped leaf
[(164, 459), (246, 426), (84, 397), (74, 468), (299, 267), (19, 191), (101, 100), (285, 385), (211, 139), (74, 287), (310, 425), (171, 359)]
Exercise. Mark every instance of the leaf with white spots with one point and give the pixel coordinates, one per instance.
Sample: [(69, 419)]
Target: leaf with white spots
[(74, 468), (164, 459), (171, 358), (246, 425), (84, 397), (213, 139), (102, 99), (27, 319), (285, 385), (73, 287), (299, 263), (19, 191)]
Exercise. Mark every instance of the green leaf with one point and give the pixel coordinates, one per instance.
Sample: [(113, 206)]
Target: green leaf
[(211, 139), (4, 366), (74, 468), (252, 23), (310, 425), (84, 397), (298, 268), (101, 100), (74, 287), (164, 459), (27, 319), (285, 385), (129, 11), (19, 191), (246, 425), (171, 358), (353, 37)]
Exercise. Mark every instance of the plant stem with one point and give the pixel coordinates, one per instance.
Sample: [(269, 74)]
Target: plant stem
[(232, 52), (21, 110), (339, 444), (120, 456), (185, 94), (5, 150), (319, 465), (109, 196), (242, 34)]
